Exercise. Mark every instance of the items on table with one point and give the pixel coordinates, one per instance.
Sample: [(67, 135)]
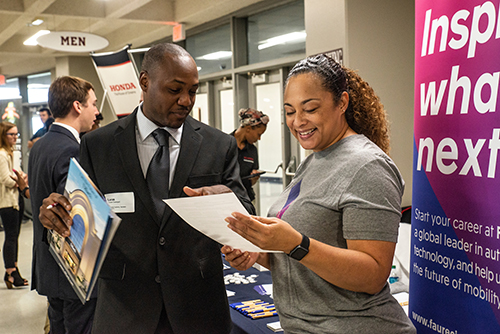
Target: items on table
[(238, 278), (255, 309)]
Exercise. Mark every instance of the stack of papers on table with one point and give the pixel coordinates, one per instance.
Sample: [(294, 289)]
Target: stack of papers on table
[(402, 299), (275, 326)]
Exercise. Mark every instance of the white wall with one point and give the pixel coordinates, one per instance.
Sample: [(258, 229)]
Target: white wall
[(378, 41), (325, 23), (82, 67)]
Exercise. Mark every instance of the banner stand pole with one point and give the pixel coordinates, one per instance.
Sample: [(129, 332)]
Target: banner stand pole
[(105, 95), (131, 56)]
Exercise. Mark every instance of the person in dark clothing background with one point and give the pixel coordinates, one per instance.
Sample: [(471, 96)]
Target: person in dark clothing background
[(47, 120), (253, 124)]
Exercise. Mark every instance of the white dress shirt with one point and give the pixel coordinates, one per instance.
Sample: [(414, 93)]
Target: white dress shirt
[(147, 145)]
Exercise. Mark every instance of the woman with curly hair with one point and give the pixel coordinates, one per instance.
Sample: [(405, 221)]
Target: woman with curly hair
[(336, 224), (9, 205)]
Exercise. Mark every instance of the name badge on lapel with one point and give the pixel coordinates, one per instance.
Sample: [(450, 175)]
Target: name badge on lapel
[(121, 202)]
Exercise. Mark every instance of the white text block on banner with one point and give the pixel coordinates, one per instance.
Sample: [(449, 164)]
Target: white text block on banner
[(455, 246)]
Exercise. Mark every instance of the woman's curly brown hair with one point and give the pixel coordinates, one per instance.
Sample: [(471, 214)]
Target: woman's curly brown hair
[(365, 114)]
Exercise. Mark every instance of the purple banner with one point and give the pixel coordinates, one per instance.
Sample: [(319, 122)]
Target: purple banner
[(455, 250)]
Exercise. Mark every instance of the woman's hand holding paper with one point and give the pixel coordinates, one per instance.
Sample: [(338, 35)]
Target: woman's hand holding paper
[(266, 233)]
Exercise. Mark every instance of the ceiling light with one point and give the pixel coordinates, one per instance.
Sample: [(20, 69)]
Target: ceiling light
[(137, 50), (39, 75), (298, 36), (32, 39), (216, 55), (37, 22), (38, 86)]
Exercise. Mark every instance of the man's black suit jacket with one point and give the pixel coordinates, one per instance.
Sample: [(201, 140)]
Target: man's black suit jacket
[(153, 264), (47, 171)]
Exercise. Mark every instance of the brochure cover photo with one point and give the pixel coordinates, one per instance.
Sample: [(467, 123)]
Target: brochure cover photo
[(81, 255)]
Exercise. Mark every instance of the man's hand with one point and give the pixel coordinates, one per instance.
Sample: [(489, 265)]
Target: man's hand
[(54, 214), (238, 259), (212, 190)]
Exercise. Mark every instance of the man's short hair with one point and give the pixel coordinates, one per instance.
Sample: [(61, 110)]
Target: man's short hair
[(156, 55), (66, 90), (46, 110)]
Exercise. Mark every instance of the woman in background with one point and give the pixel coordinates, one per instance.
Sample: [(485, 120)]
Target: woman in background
[(253, 124), (9, 205), (337, 221)]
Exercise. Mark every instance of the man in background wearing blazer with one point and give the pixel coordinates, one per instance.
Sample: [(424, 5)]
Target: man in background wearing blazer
[(160, 275), (73, 104)]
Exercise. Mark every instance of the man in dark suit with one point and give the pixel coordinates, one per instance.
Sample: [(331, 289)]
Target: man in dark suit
[(73, 103), (160, 275)]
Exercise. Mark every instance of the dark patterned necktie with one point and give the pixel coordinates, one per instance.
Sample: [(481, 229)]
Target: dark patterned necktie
[(159, 171)]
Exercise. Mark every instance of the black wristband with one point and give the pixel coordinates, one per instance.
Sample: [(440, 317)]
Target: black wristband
[(301, 250), (23, 192)]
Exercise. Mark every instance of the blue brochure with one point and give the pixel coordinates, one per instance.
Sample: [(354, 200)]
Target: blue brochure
[(81, 255)]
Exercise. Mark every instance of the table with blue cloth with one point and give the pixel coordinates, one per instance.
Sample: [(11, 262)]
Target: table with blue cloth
[(245, 292)]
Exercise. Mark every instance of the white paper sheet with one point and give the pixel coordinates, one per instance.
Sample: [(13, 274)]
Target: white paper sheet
[(207, 214)]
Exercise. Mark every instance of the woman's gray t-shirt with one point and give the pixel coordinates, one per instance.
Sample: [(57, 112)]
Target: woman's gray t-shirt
[(351, 190)]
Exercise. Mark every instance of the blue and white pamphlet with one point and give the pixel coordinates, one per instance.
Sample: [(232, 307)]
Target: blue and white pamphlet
[(81, 255)]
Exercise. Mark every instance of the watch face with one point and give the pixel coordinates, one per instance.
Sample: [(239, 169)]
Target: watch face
[(298, 253)]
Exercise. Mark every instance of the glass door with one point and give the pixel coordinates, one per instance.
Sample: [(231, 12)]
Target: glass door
[(221, 104), (227, 110), (279, 151), (200, 109), (269, 100)]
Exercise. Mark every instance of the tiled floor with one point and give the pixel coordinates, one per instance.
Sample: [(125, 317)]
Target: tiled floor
[(22, 311)]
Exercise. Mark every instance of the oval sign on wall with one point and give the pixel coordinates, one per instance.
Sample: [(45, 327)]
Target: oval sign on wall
[(72, 41)]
